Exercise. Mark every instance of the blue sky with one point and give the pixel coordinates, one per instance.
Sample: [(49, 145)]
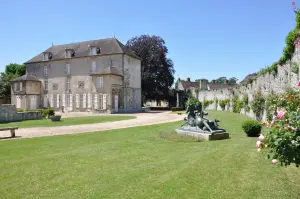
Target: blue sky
[(206, 39)]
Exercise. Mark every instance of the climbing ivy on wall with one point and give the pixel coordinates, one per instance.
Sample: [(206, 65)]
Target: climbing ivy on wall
[(258, 104), (288, 51), (294, 67)]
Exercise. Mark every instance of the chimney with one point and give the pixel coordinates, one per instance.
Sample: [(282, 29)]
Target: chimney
[(214, 81), (188, 79)]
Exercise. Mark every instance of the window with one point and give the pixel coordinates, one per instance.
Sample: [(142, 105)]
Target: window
[(93, 66), (93, 51), (46, 57), (158, 103), (100, 101), (46, 71), (18, 86), (68, 84), (68, 69), (100, 82), (46, 85), (68, 53)]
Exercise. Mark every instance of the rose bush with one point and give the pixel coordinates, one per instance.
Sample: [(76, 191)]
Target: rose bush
[(282, 142)]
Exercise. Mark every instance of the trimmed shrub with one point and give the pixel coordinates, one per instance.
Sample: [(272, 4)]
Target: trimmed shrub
[(20, 110), (252, 128), (51, 112), (44, 112), (174, 109)]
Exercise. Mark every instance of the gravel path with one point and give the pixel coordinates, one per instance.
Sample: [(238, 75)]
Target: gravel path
[(141, 120)]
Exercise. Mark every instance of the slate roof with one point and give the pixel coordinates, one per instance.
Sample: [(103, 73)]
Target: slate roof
[(82, 49), (109, 71), (26, 77), (189, 84)]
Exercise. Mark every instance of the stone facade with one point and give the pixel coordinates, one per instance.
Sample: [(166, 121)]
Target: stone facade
[(276, 83), (8, 113), (74, 83)]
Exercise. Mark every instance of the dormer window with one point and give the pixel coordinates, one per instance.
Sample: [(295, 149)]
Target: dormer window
[(69, 53), (47, 56), (95, 50)]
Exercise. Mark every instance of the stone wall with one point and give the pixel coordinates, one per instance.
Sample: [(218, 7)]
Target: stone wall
[(276, 83), (8, 113)]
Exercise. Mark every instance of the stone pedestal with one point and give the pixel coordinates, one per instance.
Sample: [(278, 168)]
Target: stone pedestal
[(203, 136)]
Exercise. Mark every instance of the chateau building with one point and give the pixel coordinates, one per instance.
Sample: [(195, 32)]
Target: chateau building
[(98, 76)]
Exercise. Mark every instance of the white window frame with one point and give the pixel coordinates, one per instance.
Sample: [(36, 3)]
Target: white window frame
[(68, 69), (93, 66), (68, 54), (101, 101), (21, 86), (68, 85), (46, 71), (46, 57), (93, 51), (46, 85), (99, 82)]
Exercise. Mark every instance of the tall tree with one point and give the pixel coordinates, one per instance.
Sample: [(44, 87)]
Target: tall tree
[(11, 71), (157, 69), (221, 80), (232, 80), (15, 69)]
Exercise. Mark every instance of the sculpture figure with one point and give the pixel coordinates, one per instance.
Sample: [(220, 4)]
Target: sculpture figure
[(196, 122)]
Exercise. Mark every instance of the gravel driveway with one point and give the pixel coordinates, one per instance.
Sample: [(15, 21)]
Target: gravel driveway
[(141, 120)]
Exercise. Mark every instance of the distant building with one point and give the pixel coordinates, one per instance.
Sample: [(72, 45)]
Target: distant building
[(206, 90)]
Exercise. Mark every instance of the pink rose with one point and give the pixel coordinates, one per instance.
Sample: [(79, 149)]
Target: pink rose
[(298, 84), (281, 114), (274, 161), (261, 138), (268, 126), (258, 144)]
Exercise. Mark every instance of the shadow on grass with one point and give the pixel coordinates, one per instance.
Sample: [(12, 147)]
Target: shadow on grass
[(175, 137), (9, 138)]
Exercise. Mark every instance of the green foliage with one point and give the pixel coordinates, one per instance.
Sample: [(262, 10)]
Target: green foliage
[(223, 103), (206, 103), (252, 128), (283, 140), (232, 80), (237, 104), (192, 100), (174, 109), (221, 80), (294, 67), (11, 71), (15, 69), (157, 69), (44, 112), (19, 110), (51, 112), (258, 104), (271, 106)]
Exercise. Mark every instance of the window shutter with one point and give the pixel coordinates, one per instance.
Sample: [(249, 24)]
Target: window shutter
[(57, 101), (104, 101), (77, 100), (64, 99)]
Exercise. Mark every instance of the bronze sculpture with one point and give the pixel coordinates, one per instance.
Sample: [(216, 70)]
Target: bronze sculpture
[(196, 122)]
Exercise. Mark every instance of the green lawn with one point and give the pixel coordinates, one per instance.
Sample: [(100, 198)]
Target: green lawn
[(66, 121), (137, 163)]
